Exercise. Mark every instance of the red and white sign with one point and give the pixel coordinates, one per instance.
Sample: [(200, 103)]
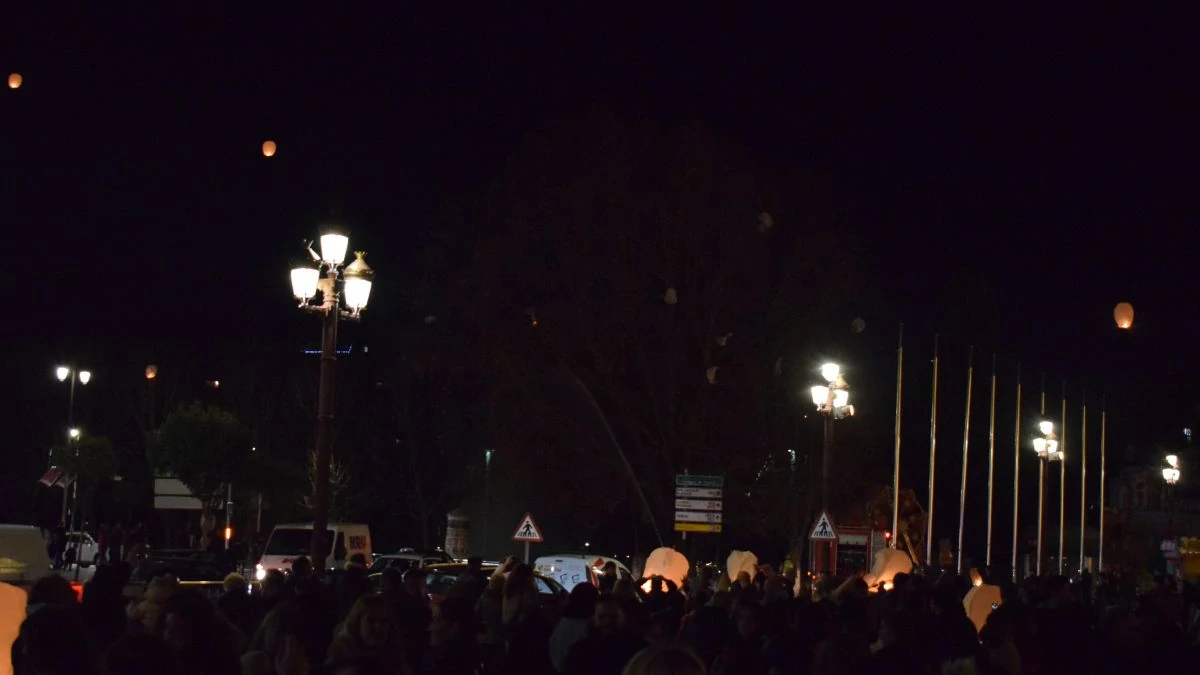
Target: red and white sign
[(528, 531)]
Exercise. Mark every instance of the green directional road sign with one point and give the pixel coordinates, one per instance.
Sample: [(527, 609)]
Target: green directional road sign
[(700, 481)]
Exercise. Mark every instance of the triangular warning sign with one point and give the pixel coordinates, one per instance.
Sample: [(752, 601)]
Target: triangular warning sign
[(528, 531), (823, 530)]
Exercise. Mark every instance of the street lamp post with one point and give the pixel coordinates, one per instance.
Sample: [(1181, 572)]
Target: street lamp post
[(487, 496), (1046, 447), (354, 281), (1171, 474), (833, 402), (63, 373)]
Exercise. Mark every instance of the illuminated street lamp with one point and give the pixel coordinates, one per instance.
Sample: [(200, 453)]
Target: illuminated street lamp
[(832, 400), (1047, 449), (335, 291), (63, 373)]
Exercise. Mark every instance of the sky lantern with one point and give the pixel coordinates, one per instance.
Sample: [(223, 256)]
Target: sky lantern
[(1123, 315), (15, 80), (268, 148), (667, 563), (741, 561)]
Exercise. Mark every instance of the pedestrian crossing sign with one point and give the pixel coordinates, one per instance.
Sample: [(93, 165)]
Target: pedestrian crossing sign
[(528, 531), (823, 530)]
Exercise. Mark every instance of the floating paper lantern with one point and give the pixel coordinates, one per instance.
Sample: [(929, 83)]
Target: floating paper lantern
[(888, 563), (15, 80), (741, 561), (268, 148), (668, 564), (979, 603), (151, 371), (1123, 315)]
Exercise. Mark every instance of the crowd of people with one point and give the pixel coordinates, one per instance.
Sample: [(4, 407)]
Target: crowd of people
[(498, 624)]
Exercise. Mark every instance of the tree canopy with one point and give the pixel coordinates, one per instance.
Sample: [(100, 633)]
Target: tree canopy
[(204, 447)]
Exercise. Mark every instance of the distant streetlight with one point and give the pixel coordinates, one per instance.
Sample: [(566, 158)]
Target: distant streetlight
[(1046, 447), (63, 373), (354, 281), (833, 402)]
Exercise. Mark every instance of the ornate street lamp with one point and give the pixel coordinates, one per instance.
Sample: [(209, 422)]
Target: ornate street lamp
[(1047, 449), (832, 400), (335, 291)]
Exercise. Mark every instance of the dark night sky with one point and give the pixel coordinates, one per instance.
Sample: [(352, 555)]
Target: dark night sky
[(1008, 178)]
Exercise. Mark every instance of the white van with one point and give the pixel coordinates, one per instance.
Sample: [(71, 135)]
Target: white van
[(23, 556), (288, 542), (570, 569)]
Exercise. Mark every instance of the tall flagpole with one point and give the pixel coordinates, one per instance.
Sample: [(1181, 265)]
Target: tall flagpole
[(1016, 480), (962, 495), (1103, 437), (1083, 484), (932, 458), (991, 462), (1062, 482), (1041, 522), (896, 468)]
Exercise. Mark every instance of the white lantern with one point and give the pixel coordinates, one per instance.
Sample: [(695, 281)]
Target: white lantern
[(304, 282), (741, 561), (1046, 427), (1173, 461), (888, 563), (85, 376), (333, 248), (668, 564), (62, 373), (1123, 315), (820, 395), (1039, 446)]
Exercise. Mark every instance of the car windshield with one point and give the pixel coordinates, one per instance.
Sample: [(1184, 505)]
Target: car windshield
[(290, 542), (399, 564)]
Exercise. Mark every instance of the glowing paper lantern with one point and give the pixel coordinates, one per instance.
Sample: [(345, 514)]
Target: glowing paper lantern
[(12, 613), (888, 563), (979, 603), (668, 564), (15, 80), (268, 148), (741, 561), (151, 371), (1123, 315)]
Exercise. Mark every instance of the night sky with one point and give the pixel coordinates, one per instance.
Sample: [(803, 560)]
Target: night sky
[(1003, 180)]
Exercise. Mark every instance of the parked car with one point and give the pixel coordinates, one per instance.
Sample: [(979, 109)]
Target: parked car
[(407, 558), (290, 541), (87, 551)]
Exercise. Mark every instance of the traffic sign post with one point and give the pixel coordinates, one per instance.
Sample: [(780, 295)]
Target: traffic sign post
[(824, 540), (527, 531), (698, 505)]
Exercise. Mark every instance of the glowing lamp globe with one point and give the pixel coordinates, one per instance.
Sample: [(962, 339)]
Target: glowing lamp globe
[(820, 394), (1173, 461), (304, 282), (830, 372), (85, 376), (358, 276), (841, 398), (15, 80), (333, 248), (62, 373), (268, 148), (1039, 446), (1046, 427), (1123, 315)]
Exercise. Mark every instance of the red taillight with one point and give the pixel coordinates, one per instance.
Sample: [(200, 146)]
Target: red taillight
[(78, 588)]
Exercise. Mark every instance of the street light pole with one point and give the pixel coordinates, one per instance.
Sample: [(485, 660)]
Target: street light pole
[(355, 280), (84, 376), (487, 496), (833, 402)]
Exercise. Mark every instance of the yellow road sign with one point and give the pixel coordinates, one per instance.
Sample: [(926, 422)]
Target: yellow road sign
[(698, 527)]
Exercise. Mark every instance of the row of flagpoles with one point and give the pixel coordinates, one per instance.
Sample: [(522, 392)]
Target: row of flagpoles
[(1017, 449)]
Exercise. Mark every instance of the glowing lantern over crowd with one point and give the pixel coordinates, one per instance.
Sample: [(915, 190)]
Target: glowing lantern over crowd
[(1123, 315), (741, 561), (268, 148), (887, 564), (15, 80), (668, 564), (151, 371), (979, 603)]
